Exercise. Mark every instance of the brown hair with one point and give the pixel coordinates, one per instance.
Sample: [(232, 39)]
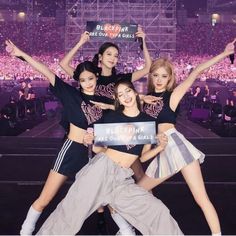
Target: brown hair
[(130, 85)]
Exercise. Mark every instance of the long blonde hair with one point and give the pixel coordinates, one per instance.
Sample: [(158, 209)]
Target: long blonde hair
[(165, 63)]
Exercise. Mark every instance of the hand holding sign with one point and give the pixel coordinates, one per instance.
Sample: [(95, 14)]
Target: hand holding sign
[(140, 36), (84, 38)]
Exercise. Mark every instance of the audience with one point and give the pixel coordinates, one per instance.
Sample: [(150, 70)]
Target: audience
[(48, 47)]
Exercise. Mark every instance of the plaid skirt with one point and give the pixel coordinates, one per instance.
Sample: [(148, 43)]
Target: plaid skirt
[(178, 153)]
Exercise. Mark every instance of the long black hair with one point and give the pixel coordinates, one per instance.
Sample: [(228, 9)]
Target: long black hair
[(85, 66), (101, 50)]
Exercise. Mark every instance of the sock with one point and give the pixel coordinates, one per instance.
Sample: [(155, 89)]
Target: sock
[(217, 234), (124, 227), (29, 224)]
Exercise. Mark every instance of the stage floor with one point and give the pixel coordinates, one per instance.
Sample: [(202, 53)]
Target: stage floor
[(26, 160)]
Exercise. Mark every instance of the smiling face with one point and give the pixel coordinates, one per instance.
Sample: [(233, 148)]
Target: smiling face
[(88, 82), (160, 79), (126, 96), (109, 58), (161, 76)]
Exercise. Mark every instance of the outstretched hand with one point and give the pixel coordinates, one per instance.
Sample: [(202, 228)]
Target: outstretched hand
[(12, 49), (84, 37), (230, 47), (149, 99), (103, 106)]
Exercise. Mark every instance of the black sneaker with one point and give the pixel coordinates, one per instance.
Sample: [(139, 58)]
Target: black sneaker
[(101, 225)]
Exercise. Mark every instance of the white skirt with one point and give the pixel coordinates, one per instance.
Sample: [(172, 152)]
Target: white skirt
[(178, 153)]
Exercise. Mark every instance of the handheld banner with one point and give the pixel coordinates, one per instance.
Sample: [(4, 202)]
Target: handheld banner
[(125, 133), (118, 31)]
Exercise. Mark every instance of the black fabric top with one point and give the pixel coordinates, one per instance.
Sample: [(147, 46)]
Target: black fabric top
[(119, 117), (161, 111), (78, 109), (105, 84)]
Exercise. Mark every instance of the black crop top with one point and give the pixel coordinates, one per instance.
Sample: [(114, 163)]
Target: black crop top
[(161, 111), (77, 106), (119, 117), (105, 84)]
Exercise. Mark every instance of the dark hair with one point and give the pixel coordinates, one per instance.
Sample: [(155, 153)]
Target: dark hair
[(101, 50), (85, 66), (129, 84)]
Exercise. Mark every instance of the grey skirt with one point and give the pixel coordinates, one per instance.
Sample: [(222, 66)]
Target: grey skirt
[(178, 153)]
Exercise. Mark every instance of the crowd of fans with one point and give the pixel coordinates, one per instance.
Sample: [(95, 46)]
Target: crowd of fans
[(200, 39), (36, 37), (195, 44)]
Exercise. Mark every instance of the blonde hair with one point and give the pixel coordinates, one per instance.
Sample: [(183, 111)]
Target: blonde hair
[(165, 63)]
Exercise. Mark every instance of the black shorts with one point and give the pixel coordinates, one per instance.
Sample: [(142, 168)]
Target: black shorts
[(71, 158)]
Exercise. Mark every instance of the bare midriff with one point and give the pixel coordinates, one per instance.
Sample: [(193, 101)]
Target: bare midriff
[(121, 158)]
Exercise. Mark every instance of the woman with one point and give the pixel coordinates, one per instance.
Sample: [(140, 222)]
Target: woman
[(81, 114), (107, 59), (107, 179), (179, 154)]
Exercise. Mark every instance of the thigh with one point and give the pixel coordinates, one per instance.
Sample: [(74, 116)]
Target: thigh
[(52, 185), (149, 183), (193, 177)]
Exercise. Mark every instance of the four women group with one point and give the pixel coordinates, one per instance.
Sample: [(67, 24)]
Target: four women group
[(107, 178)]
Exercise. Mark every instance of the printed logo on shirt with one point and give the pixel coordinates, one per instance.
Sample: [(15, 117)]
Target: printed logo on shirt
[(128, 147), (91, 112), (154, 110), (105, 90)]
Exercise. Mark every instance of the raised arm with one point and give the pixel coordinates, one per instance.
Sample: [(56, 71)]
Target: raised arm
[(88, 139), (148, 61), (65, 62), (181, 89), (149, 153), (13, 50), (104, 106)]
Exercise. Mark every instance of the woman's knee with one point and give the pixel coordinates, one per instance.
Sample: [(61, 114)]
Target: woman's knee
[(202, 200)]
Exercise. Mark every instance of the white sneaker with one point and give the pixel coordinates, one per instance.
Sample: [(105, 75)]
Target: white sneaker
[(130, 231)]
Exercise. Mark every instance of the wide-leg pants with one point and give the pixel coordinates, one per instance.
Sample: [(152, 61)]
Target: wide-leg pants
[(103, 182)]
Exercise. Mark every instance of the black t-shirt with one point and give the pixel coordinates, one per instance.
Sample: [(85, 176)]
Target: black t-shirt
[(161, 111), (119, 117), (77, 106), (105, 84)]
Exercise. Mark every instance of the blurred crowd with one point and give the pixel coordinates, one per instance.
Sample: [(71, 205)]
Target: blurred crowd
[(195, 44)]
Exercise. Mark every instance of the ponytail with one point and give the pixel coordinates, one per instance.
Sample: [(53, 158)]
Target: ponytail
[(95, 59)]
